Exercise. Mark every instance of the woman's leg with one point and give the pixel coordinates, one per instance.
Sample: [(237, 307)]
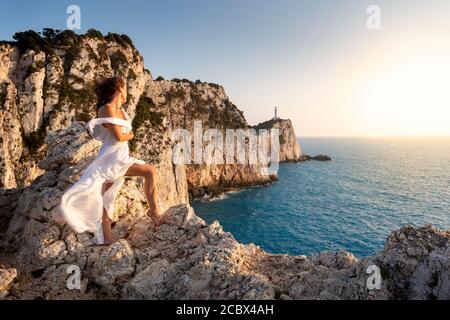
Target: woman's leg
[(150, 188), (109, 238)]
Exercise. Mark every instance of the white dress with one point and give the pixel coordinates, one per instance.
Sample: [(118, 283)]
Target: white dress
[(82, 204)]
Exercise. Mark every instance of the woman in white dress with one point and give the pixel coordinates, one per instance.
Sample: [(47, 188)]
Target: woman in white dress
[(88, 205)]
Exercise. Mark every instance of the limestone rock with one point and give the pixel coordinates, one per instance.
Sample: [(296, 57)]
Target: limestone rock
[(45, 90), (115, 263), (45, 149), (6, 277), (289, 148), (320, 157), (180, 103), (337, 260), (423, 256)]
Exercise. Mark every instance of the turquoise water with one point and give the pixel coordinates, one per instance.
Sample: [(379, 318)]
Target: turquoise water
[(372, 187)]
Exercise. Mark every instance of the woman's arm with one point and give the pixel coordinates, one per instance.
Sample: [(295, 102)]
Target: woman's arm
[(107, 111), (117, 132)]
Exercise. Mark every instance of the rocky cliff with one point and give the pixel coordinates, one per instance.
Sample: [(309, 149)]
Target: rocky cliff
[(289, 148), (46, 97), (183, 102), (186, 258), (47, 82)]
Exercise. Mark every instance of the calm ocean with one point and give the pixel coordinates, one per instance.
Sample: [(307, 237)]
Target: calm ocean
[(372, 187)]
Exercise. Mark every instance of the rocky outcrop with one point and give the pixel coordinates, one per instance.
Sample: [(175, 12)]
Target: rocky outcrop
[(182, 103), (7, 276), (289, 148), (319, 157), (45, 99), (186, 258), (47, 82)]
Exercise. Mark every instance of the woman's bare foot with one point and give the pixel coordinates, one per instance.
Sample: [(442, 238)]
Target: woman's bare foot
[(155, 215), (109, 240)]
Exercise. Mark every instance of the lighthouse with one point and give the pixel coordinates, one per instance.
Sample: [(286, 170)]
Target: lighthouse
[(276, 115)]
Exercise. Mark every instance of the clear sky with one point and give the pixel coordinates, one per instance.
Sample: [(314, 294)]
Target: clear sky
[(316, 60)]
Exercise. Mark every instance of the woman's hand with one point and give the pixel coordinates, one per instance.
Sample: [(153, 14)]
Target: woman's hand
[(127, 136), (119, 133)]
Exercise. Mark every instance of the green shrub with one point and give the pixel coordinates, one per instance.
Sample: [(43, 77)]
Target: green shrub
[(102, 48), (28, 40), (184, 80), (92, 55), (127, 40), (94, 34), (172, 95), (2, 98), (34, 67), (118, 59), (82, 100), (35, 140), (121, 39), (145, 113), (50, 33), (130, 99), (66, 38), (7, 42), (49, 39), (83, 115), (214, 85), (72, 53)]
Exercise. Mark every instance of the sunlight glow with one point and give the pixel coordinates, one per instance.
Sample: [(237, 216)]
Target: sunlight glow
[(411, 99)]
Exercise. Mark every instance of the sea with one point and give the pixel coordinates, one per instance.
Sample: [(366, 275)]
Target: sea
[(372, 187)]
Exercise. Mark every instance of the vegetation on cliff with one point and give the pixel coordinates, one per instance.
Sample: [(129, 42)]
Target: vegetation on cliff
[(50, 39), (145, 114), (2, 98)]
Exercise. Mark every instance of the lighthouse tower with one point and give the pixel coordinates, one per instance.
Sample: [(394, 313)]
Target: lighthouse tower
[(275, 116)]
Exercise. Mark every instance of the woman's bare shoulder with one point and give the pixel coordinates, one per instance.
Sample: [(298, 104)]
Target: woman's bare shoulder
[(106, 111)]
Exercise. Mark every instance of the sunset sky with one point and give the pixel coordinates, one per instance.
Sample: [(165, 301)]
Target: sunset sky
[(316, 60)]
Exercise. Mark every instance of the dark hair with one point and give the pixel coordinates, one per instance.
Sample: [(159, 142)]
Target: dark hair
[(107, 89)]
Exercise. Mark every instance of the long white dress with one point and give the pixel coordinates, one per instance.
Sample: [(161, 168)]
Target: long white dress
[(82, 204)]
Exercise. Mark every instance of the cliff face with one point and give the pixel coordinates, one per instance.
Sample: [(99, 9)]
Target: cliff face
[(186, 258), (289, 148), (183, 102), (46, 97), (47, 83)]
